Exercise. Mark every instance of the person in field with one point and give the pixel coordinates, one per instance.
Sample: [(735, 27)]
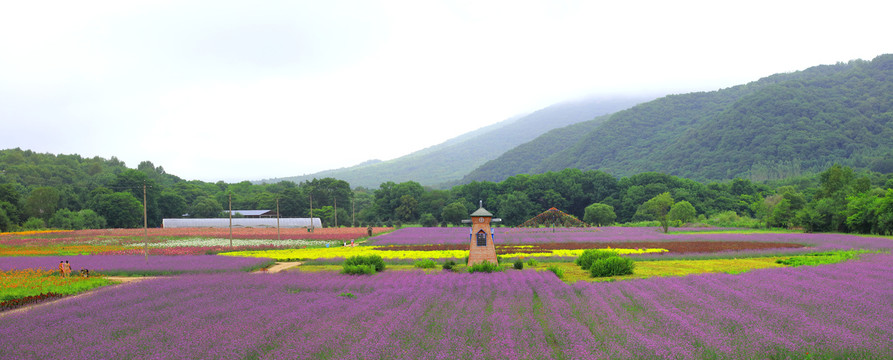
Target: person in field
[(61, 268), (67, 268)]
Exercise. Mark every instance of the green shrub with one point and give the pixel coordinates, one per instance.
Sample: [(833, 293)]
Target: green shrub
[(559, 272), (34, 223), (358, 269), (449, 265), (425, 264), (428, 220), (519, 264), (532, 262), (612, 266), (484, 266), (589, 256), (347, 295), (362, 264), (812, 259)]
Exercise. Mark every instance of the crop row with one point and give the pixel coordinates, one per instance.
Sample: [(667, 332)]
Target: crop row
[(515, 314), (384, 252), (678, 247), (137, 264), (506, 236), (127, 236)]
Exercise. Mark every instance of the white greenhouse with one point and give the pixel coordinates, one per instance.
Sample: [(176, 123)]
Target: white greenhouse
[(241, 223)]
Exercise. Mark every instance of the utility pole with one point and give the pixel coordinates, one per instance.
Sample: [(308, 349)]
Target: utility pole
[(278, 237), (230, 219), (311, 212), (145, 226), (336, 211), (353, 214)]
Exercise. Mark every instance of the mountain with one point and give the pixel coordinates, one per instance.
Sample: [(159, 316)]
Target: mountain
[(448, 162), (523, 158), (779, 126)]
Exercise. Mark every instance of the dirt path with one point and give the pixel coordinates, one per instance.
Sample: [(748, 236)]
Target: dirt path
[(279, 267)]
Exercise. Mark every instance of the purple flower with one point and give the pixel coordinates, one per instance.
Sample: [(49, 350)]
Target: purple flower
[(840, 310)]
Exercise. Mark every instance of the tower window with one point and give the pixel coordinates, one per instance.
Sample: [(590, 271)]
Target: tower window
[(482, 238)]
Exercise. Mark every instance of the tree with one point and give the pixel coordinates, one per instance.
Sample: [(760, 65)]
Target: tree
[(171, 204), (294, 203), (91, 220), (121, 210), (65, 219), (5, 223), (42, 202), (454, 213), (657, 208), (11, 213), (204, 207), (514, 208), (682, 211), (11, 201), (599, 214), (408, 208), (428, 220)]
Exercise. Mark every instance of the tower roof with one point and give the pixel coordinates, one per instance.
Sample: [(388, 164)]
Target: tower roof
[(481, 213)]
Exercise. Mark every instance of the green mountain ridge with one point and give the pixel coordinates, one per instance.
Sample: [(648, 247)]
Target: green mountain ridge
[(446, 163), (779, 126)]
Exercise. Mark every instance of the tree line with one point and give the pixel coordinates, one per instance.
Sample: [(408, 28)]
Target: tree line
[(71, 192)]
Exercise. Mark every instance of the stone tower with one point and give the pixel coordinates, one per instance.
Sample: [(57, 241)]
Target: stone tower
[(481, 246)]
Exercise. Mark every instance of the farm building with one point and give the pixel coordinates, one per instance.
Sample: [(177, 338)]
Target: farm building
[(241, 223)]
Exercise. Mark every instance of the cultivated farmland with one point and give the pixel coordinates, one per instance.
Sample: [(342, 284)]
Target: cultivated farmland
[(726, 294)]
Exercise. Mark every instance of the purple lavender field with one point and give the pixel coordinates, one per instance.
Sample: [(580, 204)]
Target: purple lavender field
[(136, 264), (459, 235), (840, 311)]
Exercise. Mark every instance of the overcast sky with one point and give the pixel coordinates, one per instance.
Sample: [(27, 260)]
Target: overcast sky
[(219, 90)]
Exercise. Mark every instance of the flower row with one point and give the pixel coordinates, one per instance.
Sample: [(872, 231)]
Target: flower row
[(346, 252), (516, 314)]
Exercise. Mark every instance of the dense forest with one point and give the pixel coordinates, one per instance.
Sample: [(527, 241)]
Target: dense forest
[(780, 126), (71, 192)]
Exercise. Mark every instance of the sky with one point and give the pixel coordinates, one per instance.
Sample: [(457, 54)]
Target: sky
[(250, 90)]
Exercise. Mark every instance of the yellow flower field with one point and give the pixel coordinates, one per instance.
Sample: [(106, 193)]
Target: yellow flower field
[(346, 252)]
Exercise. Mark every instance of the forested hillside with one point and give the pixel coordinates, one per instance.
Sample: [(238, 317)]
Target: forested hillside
[(449, 162), (71, 192), (780, 126), (525, 157)]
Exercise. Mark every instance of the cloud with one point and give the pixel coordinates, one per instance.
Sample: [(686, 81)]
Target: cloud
[(235, 90)]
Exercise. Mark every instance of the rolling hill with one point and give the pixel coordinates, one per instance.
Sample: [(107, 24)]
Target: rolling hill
[(779, 126), (447, 163)]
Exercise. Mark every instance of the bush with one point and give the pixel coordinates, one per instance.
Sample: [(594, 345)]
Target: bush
[(732, 219), (449, 265), (358, 269), (612, 266), (591, 255), (532, 262), (519, 264), (428, 220), (363, 264), (484, 266), (425, 264), (557, 271), (34, 223)]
